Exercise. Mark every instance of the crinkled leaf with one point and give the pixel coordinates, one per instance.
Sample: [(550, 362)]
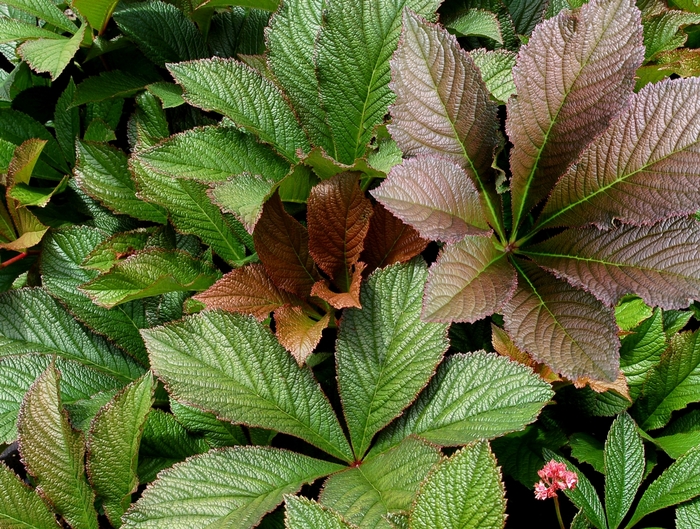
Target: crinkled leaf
[(20, 506), (112, 447), (242, 94), (567, 329), (341, 300), (148, 124), (526, 14), (688, 515), (54, 453), (51, 55), (66, 122), (225, 488), (238, 32), (244, 195), (386, 483), (624, 468), (643, 169), (302, 513), (641, 351), (663, 32), (11, 30), (107, 253), (465, 491), (385, 353), (23, 161), (247, 290), (298, 332), (477, 22), (461, 405), (435, 196), (496, 68), (44, 9), (187, 354), (564, 100), (470, 280), (217, 433)]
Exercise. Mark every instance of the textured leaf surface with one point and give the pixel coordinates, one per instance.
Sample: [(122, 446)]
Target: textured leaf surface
[(565, 328), (224, 488), (20, 506), (102, 172), (113, 444), (385, 354), (54, 453), (108, 85), (642, 169), (386, 483), (244, 195), (461, 405), (575, 74), (51, 55), (477, 22), (624, 468), (108, 253), (688, 515), (435, 196), (217, 433), (236, 350), (242, 94), (641, 351), (526, 14), (17, 30), (663, 32), (658, 263), (297, 332), (46, 10), (301, 513), (464, 492), (496, 68), (470, 280)]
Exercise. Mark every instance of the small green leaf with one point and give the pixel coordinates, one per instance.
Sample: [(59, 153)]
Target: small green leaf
[(51, 55), (631, 311), (477, 22), (149, 124), (641, 351), (107, 253), (302, 513), (464, 492), (229, 487), (97, 12), (169, 94), (46, 10), (587, 449), (66, 122), (20, 506), (11, 30), (496, 68), (108, 85), (681, 435)]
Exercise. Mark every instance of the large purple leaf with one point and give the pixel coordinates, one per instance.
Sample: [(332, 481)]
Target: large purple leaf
[(435, 196), (470, 280), (643, 169), (575, 74), (660, 263), (567, 329)]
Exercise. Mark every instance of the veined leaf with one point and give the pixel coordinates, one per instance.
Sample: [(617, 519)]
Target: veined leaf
[(108, 85), (225, 488), (51, 55), (244, 196), (46, 10), (150, 273), (112, 447), (247, 290), (148, 124), (461, 405), (338, 220), (672, 384), (242, 94), (108, 253), (11, 30), (658, 263), (301, 513), (23, 161), (162, 32), (641, 351), (643, 169), (681, 435), (297, 332), (386, 483), (566, 328), (33, 322), (20, 506), (470, 280), (97, 12), (216, 433), (464, 491), (526, 14), (496, 68), (385, 353), (54, 453), (170, 94), (679, 483), (435, 196), (103, 173), (624, 468), (477, 22), (663, 32), (688, 515), (353, 69), (566, 54), (184, 356)]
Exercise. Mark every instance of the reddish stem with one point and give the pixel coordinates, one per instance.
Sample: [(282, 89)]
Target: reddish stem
[(14, 259)]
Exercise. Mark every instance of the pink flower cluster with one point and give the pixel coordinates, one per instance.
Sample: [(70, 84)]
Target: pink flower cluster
[(554, 477)]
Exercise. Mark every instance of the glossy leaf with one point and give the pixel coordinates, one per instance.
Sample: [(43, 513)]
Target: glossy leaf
[(97, 12), (20, 506), (66, 122), (297, 332), (183, 354), (46, 10), (641, 351), (51, 55), (680, 435), (108, 85), (302, 513)]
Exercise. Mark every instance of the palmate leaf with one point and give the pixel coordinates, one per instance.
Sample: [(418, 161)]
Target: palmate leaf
[(389, 482), (642, 169), (470, 280), (567, 54), (567, 329), (385, 353), (658, 263), (230, 488), (353, 69), (435, 196), (20, 506), (187, 354), (301, 513)]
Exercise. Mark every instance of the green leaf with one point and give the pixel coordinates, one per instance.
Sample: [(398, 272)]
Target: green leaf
[(663, 32), (46, 10), (149, 273), (385, 353), (286, 399), (97, 12), (83, 411), (461, 405), (20, 506), (477, 22), (217, 433), (250, 100), (672, 384), (688, 515), (239, 32), (587, 449), (66, 122), (107, 253), (162, 32), (526, 14), (169, 94), (496, 68), (11, 30), (102, 172), (302, 513), (230, 487), (681, 435), (244, 196), (113, 444), (624, 468), (353, 69), (464, 492), (35, 196), (108, 85), (641, 351), (389, 482), (148, 125), (54, 453), (33, 322), (51, 55), (680, 482), (631, 311)]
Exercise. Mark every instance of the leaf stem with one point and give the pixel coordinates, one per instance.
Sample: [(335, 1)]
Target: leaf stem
[(556, 508), (14, 259)]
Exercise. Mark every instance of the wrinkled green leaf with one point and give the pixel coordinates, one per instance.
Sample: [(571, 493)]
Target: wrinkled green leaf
[(108, 85), (20, 506), (302, 513), (497, 71), (51, 55), (46, 10), (477, 22)]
